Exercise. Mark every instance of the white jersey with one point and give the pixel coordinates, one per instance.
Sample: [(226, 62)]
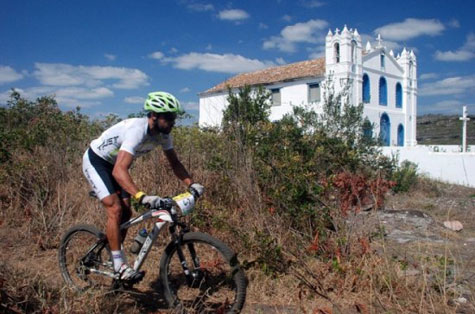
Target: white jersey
[(130, 135)]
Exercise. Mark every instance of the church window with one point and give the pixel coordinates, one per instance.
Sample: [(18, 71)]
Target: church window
[(337, 52), (367, 129), (383, 92), (398, 95), (366, 89), (385, 130), (313, 92), (276, 101), (383, 61), (353, 51), (400, 135)]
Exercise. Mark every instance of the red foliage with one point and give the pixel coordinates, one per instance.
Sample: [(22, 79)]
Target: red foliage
[(355, 191), (314, 245)]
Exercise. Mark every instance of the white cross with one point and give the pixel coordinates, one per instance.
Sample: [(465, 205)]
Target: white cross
[(464, 118), (380, 40)]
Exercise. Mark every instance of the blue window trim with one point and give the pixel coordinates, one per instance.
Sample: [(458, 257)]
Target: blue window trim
[(400, 135), (366, 89), (383, 91), (398, 95), (388, 134)]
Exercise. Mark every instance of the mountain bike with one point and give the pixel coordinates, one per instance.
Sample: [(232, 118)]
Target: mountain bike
[(198, 273)]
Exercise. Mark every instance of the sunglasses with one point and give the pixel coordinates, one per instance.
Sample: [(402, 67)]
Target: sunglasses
[(169, 116)]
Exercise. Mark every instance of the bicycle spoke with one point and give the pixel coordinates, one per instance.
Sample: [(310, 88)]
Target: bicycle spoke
[(212, 288), (84, 263)]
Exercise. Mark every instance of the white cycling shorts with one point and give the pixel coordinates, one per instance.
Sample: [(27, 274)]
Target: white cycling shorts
[(98, 173)]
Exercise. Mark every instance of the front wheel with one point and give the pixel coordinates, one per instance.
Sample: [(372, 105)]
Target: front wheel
[(215, 283), (85, 258)]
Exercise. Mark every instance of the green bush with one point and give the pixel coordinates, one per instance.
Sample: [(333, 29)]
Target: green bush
[(405, 176)]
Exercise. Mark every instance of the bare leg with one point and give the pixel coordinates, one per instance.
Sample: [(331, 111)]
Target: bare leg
[(113, 207), (126, 214)]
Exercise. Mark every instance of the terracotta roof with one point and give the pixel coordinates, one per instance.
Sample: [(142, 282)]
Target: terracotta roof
[(288, 72)]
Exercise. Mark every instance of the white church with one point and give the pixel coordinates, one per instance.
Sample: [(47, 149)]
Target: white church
[(386, 84)]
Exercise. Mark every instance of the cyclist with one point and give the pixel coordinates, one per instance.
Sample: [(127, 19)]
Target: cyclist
[(107, 161)]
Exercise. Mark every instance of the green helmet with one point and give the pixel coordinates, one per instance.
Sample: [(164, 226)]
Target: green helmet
[(161, 102)]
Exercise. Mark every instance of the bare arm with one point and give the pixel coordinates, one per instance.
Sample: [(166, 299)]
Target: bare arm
[(178, 169), (121, 172)]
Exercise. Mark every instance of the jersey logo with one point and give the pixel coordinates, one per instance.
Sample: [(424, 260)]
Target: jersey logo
[(107, 142)]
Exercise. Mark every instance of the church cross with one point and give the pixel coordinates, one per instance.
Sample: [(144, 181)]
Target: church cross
[(464, 118), (380, 40)]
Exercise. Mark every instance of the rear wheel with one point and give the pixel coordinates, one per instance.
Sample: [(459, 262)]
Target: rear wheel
[(85, 258), (216, 283)]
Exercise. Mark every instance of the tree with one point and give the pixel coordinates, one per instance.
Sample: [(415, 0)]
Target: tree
[(246, 110)]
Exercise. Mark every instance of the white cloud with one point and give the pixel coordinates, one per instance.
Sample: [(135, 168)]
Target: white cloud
[(287, 18), (209, 47), (5, 96), (233, 15), (191, 105), (69, 97), (225, 63), (386, 43), (464, 53), (428, 76), (56, 74), (316, 52), (280, 61), (185, 90), (410, 28), (450, 106), (200, 7), (110, 57), (453, 86), (8, 75), (454, 23), (307, 32), (134, 100), (83, 93), (313, 4), (156, 55), (263, 26)]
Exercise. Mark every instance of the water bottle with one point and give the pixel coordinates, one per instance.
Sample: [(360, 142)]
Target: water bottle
[(186, 202), (138, 241)]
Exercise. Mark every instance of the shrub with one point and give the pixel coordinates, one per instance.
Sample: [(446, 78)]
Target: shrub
[(405, 176)]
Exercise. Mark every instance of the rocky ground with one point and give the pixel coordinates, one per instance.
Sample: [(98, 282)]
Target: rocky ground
[(411, 229)]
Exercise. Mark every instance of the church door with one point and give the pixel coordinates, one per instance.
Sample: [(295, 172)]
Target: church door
[(385, 131), (400, 135)]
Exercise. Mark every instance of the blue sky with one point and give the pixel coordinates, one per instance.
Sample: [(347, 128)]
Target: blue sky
[(106, 55)]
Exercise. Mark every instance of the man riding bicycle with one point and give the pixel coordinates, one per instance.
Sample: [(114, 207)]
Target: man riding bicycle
[(107, 161)]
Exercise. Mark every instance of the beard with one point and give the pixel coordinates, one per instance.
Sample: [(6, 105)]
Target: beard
[(164, 130)]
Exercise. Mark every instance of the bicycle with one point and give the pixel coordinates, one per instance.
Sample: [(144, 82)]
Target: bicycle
[(198, 273)]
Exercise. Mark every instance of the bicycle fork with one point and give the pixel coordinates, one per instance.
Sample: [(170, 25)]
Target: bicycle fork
[(191, 276)]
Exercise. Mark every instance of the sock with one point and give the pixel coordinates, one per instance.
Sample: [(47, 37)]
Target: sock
[(117, 258)]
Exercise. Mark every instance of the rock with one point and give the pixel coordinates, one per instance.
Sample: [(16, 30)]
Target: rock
[(460, 300), (454, 225)]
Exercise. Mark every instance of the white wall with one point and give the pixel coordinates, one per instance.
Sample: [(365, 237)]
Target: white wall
[(211, 109), (292, 94), (448, 166)]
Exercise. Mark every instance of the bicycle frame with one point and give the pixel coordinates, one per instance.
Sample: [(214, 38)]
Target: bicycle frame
[(163, 217)]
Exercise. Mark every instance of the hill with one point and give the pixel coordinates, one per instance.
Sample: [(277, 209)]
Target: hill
[(443, 130)]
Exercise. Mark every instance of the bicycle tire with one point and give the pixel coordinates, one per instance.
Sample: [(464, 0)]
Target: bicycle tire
[(220, 277), (76, 267)]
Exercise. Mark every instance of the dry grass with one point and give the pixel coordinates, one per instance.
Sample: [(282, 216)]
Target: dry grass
[(365, 277)]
